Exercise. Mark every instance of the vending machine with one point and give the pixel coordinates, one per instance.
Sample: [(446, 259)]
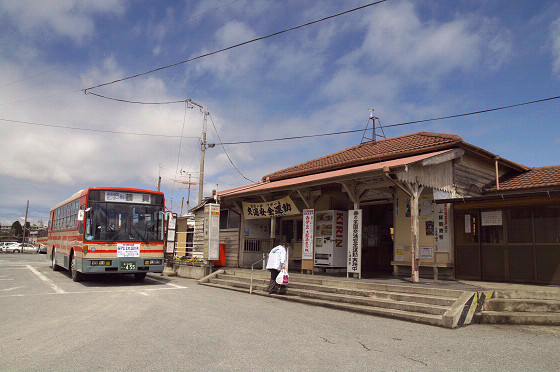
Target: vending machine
[(331, 235)]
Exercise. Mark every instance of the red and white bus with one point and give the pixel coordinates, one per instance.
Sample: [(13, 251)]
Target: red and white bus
[(106, 230)]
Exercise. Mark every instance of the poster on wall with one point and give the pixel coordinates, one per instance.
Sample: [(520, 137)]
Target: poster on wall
[(399, 253), (491, 218), (429, 228), (307, 246), (354, 264), (442, 227), (426, 252)]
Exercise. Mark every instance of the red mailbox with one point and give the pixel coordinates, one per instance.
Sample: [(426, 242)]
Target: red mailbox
[(222, 253)]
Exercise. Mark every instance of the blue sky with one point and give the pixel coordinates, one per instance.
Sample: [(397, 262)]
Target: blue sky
[(408, 60)]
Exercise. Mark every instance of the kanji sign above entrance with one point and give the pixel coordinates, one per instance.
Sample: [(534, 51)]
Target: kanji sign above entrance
[(275, 208)]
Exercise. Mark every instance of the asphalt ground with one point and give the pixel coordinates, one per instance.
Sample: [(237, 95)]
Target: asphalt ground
[(112, 323)]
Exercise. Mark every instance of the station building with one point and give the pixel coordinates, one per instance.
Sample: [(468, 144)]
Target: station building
[(428, 203)]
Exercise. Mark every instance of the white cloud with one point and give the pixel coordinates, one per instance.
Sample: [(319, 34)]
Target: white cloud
[(70, 18), (397, 39), (234, 62)]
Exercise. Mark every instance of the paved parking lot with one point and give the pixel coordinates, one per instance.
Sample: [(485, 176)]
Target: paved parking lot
[(51, 323)]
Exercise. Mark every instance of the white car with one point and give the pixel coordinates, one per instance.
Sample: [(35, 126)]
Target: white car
[(21, 247), (5, 245)]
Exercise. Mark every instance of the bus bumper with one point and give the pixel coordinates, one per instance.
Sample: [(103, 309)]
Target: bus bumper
[(121, 265)]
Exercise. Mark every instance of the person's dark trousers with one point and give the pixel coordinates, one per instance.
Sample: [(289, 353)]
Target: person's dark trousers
[(272, 286)]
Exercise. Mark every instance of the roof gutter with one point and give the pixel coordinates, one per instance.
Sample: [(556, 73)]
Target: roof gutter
[(548, 193)]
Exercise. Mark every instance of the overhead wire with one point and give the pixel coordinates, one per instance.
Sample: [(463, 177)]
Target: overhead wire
[(235, 46), (401, 124), (136, 102), (223, 147), (293, 137), (93, 130), (180, 144)]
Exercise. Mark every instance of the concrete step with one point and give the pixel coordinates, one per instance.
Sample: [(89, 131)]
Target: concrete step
[(379, 294), (345, 306), (517, 318), (301, 279), (392, 300), (528, 294), (522, 305), (359, 299), (444, 307)]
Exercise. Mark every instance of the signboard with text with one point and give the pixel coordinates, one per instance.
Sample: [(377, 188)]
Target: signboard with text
[(307, 246), (442, 227), (354, 264), (275, 208), (212, 232)]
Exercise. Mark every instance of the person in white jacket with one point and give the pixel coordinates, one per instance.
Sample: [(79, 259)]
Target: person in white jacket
[(276, 262)]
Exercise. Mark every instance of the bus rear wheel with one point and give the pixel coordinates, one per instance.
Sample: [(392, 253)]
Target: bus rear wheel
[(54, 266), (76, 275), (139, 276)]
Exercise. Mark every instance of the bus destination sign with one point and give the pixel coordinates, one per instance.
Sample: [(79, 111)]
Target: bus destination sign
[(127, 197)]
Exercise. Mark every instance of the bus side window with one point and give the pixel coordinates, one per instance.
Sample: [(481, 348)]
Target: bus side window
[(89, 235)]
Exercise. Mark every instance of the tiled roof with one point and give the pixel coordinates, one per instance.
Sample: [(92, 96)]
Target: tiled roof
[(535, 178), (370, 152)]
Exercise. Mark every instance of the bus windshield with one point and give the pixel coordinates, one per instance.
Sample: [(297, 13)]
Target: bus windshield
[(115, 222)]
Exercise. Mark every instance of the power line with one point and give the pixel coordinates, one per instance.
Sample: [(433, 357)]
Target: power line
[(294, 137), (136, 102), (231, 161), (180, 142), (235, 46), (401, 124), (43, 97), (93, 130), (32, 76)]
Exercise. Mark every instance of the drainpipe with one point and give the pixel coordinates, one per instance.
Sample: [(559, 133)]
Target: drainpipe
[(497, 158)]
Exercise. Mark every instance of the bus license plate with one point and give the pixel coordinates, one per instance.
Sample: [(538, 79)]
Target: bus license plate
[(126, 266)]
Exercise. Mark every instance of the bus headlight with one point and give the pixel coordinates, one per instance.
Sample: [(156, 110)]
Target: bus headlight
[(100, 263)]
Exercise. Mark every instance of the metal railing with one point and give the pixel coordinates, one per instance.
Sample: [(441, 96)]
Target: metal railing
[(265, 256)]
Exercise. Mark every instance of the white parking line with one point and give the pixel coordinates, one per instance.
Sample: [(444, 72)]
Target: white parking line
[(11, 289), (56, 288), (166, 283)]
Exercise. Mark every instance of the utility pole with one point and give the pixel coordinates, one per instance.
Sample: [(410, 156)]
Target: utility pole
[(202, 151), (203, 146), (159, 179), (24, 226)]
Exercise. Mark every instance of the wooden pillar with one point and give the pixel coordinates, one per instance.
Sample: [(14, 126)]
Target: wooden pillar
[(415, 191)]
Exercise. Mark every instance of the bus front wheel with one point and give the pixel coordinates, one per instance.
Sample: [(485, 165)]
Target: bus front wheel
[(76, 275), (139, 276)]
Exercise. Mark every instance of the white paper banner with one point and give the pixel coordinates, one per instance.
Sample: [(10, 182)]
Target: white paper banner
[(128, 249)]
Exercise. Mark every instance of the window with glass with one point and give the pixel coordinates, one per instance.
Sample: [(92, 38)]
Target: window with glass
[(124, 222), (491, 227), (520, 225), (547, 224), (466, 227), (228, 220)]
